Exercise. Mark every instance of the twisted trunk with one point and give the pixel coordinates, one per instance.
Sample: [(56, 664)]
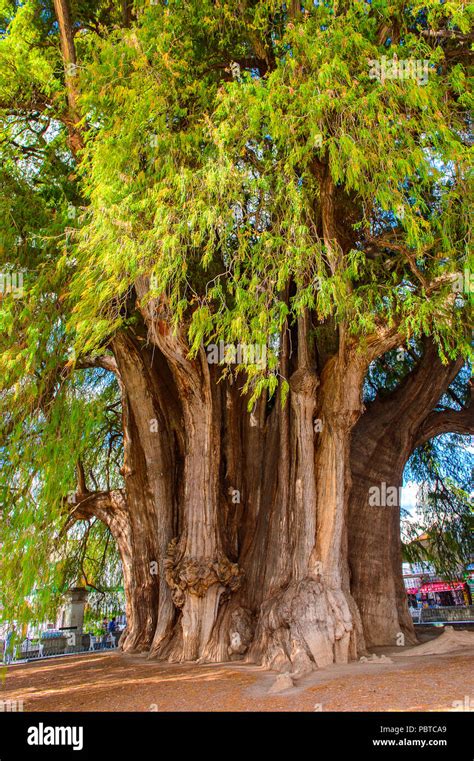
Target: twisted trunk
[(307, 618), (149, 472), (197, 568)]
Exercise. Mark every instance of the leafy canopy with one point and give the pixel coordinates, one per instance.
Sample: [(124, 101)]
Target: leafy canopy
[(211, 130)]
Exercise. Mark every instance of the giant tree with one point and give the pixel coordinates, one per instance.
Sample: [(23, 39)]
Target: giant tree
[(261, 218)]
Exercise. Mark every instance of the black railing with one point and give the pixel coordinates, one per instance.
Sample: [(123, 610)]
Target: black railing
[(50, 647), (452, 614)]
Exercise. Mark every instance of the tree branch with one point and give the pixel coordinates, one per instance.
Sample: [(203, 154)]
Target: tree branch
[(448, 421), (105, 361), (104, 505), (68, 50)]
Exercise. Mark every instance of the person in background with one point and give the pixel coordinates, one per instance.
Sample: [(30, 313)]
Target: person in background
[(105, 625), (8, 652), (111, 630)]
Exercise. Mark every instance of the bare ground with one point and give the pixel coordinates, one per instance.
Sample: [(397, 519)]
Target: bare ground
[(113, 681)]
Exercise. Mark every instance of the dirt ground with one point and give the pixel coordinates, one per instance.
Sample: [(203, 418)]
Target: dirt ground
[(112, 681)]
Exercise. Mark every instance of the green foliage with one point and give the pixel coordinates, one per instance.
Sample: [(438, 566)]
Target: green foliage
[(207, 177), (38, 477), (49, 418), (444, 514), (209, 128)]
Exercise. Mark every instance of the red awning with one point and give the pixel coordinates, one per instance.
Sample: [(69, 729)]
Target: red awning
[(442, 586), (412, 590)]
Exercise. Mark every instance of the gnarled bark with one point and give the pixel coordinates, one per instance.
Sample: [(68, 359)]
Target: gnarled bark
[(307, 618), (197, 568)]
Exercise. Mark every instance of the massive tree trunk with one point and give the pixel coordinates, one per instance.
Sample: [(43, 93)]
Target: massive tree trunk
[(297, 565), (286, 539), (143, 520), (306, 617), (258, 523), (150, 478), (266, 577), (375, 546), (382, 442), (197, 568)]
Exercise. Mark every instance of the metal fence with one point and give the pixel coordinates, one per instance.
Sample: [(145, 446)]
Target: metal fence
[(456, 614), (50, 647)]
